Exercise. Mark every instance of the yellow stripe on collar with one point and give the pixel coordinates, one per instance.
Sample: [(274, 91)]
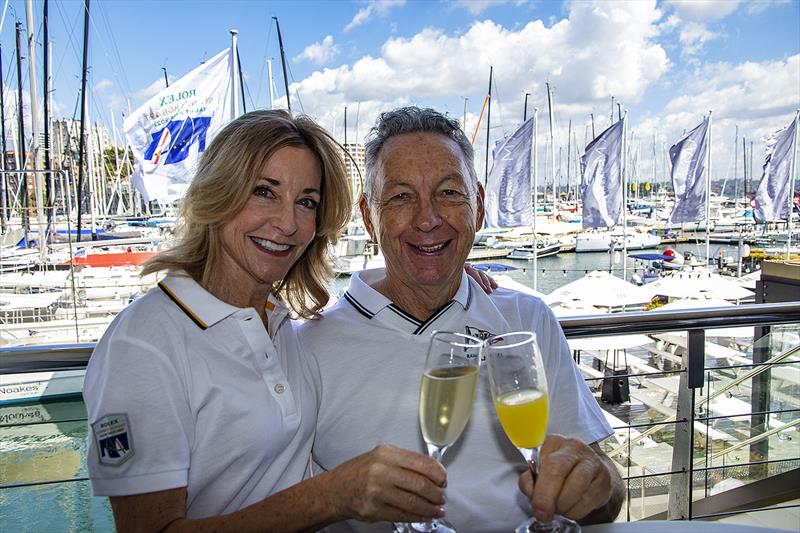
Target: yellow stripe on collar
[(269, 306), (183, 307)]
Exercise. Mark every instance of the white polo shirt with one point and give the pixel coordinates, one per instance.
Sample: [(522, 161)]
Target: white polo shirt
[(371, 356), (185, 390)]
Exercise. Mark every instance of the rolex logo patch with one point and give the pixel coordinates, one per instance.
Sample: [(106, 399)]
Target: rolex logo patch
[(113, 439)]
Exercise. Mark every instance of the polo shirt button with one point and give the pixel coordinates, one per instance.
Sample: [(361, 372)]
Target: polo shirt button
[(279, 388)]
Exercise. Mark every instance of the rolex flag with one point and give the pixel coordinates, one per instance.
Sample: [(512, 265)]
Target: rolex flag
[(169, 132), (688, 158), (508, 188), (601, 178), (772, 196)]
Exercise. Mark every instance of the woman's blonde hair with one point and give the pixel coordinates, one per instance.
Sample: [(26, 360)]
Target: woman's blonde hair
[(225, 178)]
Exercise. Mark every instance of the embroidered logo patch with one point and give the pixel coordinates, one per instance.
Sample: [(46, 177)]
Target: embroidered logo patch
[(479, 334), (113, 438)]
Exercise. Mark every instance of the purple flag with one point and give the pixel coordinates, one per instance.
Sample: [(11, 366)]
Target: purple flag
[(772, 196), (601, 179), (508, 188), (688, 158)]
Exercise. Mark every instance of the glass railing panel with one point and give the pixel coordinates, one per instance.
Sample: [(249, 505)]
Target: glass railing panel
[(66, 506)]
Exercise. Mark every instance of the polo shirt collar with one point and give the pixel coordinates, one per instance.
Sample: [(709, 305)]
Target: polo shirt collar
[(205, 309), (372, 303)]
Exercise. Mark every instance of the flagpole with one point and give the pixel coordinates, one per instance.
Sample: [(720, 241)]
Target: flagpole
[(792, 172), (708, 195), (234, 92), (535, 162), (624, 164)]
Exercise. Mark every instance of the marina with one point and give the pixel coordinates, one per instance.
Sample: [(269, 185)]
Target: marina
[(665, 240)]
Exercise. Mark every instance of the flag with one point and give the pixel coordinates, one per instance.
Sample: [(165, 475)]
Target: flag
[(601, 178), (772, 196), (688, 158), (170, 131), (508, 187)]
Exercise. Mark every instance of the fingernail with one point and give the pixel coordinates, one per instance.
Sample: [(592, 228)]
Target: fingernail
[(440, 512), (540, 515)]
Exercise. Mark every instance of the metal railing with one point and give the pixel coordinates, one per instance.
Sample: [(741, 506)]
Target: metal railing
[(692, 412)]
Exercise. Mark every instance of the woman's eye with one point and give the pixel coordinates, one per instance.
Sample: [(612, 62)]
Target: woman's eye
[(262, 191), (309, 203)]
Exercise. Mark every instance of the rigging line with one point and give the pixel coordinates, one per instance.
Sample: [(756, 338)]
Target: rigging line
[(120, 71), (99, 40), (70, 33), (263, 62), (296, 91)]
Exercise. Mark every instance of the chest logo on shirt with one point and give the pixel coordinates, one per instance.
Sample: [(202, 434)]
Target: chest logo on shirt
[(113, 438), (479, 333)]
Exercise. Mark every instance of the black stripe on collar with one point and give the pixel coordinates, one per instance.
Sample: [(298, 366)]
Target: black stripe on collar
[(403, 314), (181, 305), (433, 318), (358, 307)]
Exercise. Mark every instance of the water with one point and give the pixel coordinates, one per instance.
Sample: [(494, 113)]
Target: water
[(45, 443)]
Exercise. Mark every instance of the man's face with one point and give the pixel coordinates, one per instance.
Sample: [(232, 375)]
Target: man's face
[(424, 212)]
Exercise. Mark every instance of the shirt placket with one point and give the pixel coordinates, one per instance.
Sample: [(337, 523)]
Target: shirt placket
[(269, 364)]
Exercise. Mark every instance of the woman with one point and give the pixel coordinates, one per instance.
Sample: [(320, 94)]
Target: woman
[(202, 408)]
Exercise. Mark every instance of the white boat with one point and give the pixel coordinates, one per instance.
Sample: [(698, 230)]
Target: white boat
[(543, 249), (37, 386), (353, 253), (602, 241)]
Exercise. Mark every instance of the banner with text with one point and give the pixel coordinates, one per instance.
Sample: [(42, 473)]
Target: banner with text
[(688, 158), (508, 188), (772, 196), (169, 132), (601, 179)]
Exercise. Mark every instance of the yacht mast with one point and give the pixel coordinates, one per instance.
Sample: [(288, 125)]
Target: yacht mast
[(283, 63), (23, 158), (552, 151), (488, 123), (35, 147), (81, 137)]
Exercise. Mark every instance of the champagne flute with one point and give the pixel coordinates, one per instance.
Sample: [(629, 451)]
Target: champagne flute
[(519, 392), (446, 395)]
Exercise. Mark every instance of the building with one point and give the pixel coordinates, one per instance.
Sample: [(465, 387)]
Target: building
[(64, 138), (354, 166)]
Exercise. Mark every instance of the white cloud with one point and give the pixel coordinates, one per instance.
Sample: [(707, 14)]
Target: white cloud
[(103, 84), (434, 67), (694, 35), (374, 7), (758, 6), (319, 53), (704, 10), (478, 6)]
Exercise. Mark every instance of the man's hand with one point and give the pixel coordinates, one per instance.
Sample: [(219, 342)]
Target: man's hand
[(576, 480), (388, 483)]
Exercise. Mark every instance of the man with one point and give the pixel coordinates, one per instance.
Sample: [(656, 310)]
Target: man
[(422, 203)]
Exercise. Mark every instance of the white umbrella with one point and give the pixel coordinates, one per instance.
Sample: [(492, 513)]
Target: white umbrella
[(600, 289), (505, 281), (697, 283)]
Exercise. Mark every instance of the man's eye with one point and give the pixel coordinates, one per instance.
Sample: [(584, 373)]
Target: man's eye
[(399, 197), (262, 191), (309, 203)]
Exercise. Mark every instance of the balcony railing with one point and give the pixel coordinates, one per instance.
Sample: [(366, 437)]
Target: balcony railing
[(690, 416)]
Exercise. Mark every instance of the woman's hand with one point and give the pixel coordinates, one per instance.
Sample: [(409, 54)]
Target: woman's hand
[(388, 484), (487, 282)]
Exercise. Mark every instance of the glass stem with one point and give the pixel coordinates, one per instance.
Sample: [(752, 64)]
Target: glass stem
[(531, 455), (437, 452)]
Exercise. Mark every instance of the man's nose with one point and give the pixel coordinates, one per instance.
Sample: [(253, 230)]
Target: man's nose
[(427, 216)]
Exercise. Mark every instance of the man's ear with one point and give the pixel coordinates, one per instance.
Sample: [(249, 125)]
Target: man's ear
[(363, 205), (480, 211)]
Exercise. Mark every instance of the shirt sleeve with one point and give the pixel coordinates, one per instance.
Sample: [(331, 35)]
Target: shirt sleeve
[(574, 412), (141, 425)]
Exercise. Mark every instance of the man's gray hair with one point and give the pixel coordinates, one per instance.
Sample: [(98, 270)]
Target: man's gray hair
[(412, 119)]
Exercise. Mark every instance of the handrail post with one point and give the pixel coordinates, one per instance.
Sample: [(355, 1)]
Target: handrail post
[(680, 487)]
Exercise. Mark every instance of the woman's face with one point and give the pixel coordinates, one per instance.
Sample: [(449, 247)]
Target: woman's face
[(262, 242)]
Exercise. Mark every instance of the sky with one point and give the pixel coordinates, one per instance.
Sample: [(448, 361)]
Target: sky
[(667, 63)]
